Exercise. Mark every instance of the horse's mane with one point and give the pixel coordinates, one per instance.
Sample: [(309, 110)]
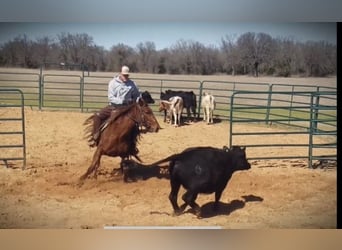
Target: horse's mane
[(115, 114)]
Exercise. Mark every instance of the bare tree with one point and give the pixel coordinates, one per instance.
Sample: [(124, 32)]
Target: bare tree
[(44, 50), (18, 52), (250, 53), (162, 57), (231, 54), (318, 58), (147, 59), (74, 48), (283, 59), (179, 61), (255, 49), (119, 55), (96, 58)]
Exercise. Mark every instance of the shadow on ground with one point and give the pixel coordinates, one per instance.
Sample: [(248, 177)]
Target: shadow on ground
[(227, 208)]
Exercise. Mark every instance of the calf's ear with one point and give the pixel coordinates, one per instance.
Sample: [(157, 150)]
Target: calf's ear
[(225, 148), (243, 148)]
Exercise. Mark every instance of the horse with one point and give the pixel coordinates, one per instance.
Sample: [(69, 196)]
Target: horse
[(120, 133)]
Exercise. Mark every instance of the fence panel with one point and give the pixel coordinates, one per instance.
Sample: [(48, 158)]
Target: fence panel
[(28, 83), (156, 86), (293, 107), (62, 91), (223, 91), (96, 87), (312, 126), (12, 127)]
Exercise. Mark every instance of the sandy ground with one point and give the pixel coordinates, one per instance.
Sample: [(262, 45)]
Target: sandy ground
[(277, 194)]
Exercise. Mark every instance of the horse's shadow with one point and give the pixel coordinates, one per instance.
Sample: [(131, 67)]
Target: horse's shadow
[(207, 210)]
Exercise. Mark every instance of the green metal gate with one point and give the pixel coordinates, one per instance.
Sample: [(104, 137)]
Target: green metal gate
[(307, 116), (12, 127)]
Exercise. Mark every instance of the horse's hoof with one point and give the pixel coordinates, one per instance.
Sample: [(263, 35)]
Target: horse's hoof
[(79, 183), (177, 213)]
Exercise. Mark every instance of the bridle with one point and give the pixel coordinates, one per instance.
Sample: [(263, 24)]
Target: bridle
[(139, 116)]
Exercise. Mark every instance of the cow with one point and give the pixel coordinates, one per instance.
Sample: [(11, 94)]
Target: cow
[(202, 170), (165, 106), (208, 105), (189, 100), (174, 108), (146, 96)]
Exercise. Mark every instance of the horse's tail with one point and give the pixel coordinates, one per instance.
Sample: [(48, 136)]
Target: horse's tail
[(89, 131), (96, 123)]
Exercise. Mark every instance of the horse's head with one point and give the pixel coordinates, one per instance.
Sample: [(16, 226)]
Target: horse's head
[(148, 119)]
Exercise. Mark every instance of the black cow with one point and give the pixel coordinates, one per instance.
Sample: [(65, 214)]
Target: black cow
[(203, 170), (189, 100), (146, 96)]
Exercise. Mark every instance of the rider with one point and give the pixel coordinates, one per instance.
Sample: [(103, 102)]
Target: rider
[(122, 91)]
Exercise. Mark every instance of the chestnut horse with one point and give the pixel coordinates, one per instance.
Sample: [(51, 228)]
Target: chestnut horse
[(120, 133)]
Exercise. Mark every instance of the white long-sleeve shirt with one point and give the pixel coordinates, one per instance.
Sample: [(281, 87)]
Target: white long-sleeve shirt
[(120, 92)]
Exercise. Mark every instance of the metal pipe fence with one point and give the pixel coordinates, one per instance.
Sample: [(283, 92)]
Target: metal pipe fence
[(315, 120), (12, 127), (298, 108)]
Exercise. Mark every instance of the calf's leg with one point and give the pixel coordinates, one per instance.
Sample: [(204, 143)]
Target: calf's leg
[(204, 117), (208, 114), (173, 196), (217, 199), (189, 198), (211, 116)]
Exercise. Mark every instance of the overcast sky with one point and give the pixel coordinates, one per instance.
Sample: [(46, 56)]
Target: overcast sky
[(166, 10), (163, 22)]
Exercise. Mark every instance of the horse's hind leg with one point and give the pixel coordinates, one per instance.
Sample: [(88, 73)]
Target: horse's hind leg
[(94, 165)]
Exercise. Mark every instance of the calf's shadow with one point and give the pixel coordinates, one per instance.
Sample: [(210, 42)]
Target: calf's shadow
[(133, 171)]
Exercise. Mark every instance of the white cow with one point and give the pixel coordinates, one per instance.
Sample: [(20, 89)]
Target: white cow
[(208, 104), (174, 107)]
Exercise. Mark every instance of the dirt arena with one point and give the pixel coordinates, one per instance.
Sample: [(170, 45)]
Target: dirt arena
[(281, 194)]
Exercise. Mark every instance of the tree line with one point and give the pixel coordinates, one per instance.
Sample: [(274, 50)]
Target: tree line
[(248, 54)]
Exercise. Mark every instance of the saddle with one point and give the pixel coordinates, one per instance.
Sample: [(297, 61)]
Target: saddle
[(101, 120)]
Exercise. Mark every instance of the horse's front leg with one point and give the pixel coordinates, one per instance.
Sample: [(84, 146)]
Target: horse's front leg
[(95, 164)]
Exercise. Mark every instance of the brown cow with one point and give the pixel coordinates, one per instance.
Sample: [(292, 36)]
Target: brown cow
[(174, 109)]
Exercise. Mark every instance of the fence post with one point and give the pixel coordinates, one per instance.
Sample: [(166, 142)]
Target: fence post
[(231, 120), (316, 110), (291, 104), (161, 85), (311, 131), (40, 87), (269, 101), (82, 91), (200, 99)]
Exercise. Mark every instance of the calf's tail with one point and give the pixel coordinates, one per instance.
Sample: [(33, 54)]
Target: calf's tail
[(169, 158)]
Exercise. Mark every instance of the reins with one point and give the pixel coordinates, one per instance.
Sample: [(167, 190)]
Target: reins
[(141, 121)]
